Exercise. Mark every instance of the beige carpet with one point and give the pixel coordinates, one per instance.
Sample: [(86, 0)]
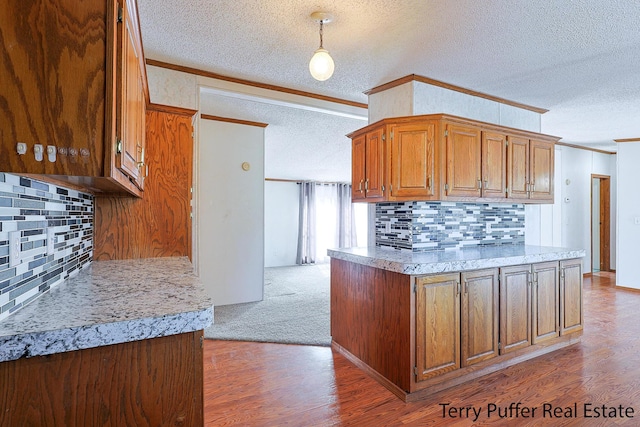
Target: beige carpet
[(295, 310)]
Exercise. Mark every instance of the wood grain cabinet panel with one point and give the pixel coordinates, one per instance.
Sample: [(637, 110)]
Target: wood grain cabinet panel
[(358, 171), (541, 170), (464, 168), (518, 167), (367, 171), (571, 317), (130, 102), (64, 72), (479, 315), (437, 325), (545, 302), (515, 308), (494, 165), (413, 157)]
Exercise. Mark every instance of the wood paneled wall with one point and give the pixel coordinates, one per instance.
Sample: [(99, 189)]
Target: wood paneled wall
[(158, 224)]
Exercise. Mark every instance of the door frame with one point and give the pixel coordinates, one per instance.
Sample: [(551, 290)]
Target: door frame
[(605, 221)]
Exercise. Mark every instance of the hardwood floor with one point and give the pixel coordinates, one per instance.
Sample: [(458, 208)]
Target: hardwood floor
[(255, 384)]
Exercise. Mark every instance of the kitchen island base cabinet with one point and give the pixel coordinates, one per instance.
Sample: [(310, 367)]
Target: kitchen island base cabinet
[(418, 335), (151, 382)]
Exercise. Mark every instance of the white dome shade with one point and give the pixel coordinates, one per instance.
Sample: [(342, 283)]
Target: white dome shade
[(321, 65)]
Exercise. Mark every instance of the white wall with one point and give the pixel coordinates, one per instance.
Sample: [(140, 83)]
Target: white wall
[(416, 98), (230, 211), (572, 203), (280, 223), (628, 235)]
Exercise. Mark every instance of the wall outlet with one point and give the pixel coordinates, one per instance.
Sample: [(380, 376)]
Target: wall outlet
[(14, 248), (51, 240)]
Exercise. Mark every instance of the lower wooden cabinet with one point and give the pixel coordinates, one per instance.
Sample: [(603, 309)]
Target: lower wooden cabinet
[(421, 334), (437, 325), (479, 315), (545, 302), (515, 308), (570, 296)]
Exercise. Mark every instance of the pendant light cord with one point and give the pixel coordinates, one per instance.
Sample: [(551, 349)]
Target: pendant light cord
[(321, 21)]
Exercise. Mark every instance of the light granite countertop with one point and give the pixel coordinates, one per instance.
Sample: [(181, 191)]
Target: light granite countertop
[(414, 263), (110, 302)]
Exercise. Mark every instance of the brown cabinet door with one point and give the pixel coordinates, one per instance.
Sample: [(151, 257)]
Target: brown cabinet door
[(53, 85), (515, 308), (494, 165), (129, 149), (463, 161), (517, 168), (437, 325), (374, 164), (479, 315), (358, 168), (570, 296), (541, 170), (413, 160), (545, 301)]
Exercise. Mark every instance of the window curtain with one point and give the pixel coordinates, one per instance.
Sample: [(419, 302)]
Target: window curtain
[(307, 224), (346, 219)]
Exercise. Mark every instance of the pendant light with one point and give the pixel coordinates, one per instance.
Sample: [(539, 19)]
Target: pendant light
[(321, 65)]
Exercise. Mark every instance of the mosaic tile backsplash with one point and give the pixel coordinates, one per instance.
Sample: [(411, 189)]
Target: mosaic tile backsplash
[(32, 209), (432, 226)]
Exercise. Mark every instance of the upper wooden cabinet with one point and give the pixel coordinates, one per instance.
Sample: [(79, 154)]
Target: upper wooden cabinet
[(530, 166), (73, 87), (367, 172), (464, 168), (130, 100), (443, 157), (412, 168)]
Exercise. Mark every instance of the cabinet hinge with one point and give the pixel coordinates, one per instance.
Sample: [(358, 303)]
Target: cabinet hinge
[(119, 14), (118, 146), (446, 187)]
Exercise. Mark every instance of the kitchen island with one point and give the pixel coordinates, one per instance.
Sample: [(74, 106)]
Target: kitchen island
[(118, 344), (420, 322)]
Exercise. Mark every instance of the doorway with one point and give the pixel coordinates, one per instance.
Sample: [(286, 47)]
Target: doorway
[(600, 223)]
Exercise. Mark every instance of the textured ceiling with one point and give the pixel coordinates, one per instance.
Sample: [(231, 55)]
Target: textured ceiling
[(579, 59)]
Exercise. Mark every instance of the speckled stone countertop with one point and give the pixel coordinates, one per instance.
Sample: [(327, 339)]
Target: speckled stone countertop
[(414, 263), (110, 302)]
